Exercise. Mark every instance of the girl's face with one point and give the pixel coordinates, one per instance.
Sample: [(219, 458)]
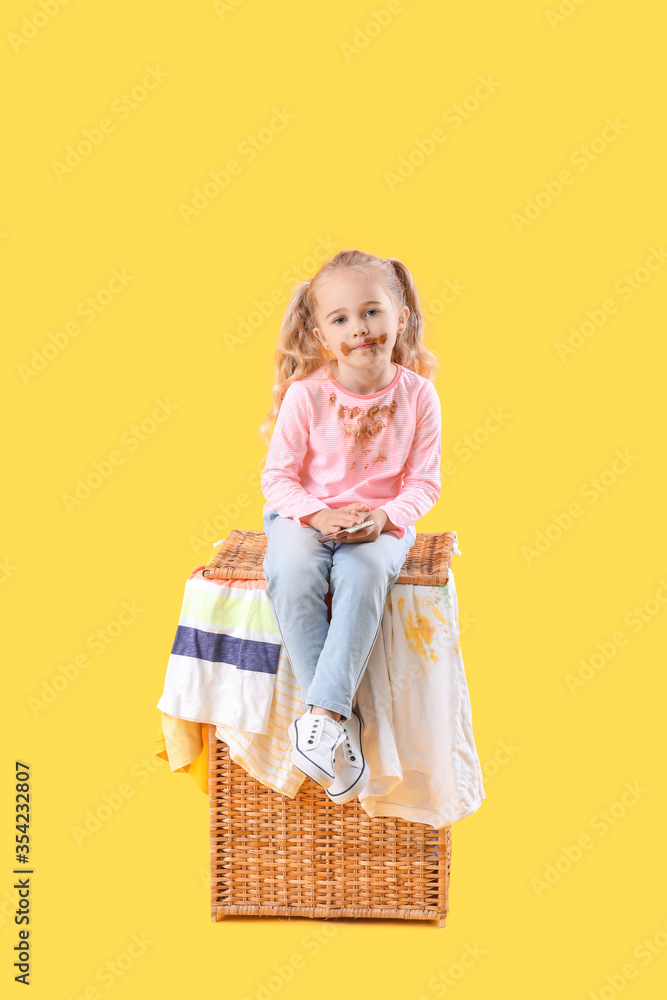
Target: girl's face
[(358, 321)]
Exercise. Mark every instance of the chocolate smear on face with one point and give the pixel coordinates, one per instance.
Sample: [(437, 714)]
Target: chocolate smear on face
[(346, 350)]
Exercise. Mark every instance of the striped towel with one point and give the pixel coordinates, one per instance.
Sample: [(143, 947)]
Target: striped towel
[(229, 668)]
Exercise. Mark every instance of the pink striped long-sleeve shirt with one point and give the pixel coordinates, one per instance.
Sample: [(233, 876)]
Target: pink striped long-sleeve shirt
[(331, 447)]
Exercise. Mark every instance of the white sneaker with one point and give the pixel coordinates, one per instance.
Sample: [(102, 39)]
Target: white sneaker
[(352, 770), (314, 742)]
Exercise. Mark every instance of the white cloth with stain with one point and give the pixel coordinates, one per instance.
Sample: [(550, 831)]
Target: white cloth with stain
[(418, 736), (413, 696)]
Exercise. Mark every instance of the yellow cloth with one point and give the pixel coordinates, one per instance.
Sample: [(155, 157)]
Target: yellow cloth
[(183, 743), (184, 746)]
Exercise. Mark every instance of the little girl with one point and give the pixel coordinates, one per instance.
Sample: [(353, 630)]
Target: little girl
[(356, 439)]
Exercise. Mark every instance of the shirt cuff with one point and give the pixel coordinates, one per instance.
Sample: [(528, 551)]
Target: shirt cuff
[(310, 510), (388, 508), (398, 530)]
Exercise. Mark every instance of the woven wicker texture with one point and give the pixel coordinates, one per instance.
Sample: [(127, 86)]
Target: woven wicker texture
[(276, 856), (241, 556)]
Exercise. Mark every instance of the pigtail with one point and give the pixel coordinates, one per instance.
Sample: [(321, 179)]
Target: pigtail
[(409, 349), (298, 353)]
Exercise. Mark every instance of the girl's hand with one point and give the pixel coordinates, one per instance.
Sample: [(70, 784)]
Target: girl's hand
[(369, 534), (326, 521)]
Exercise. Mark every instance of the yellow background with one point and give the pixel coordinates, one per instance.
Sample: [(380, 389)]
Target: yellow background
[(529, 622)]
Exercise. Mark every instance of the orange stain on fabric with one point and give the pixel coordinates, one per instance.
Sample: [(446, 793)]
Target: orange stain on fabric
[(419, 633), (437, 613)]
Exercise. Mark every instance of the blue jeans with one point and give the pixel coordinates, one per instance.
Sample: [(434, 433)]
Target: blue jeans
[(328, 658)]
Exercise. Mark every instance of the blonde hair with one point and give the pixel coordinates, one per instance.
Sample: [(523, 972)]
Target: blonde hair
[(299, 353)]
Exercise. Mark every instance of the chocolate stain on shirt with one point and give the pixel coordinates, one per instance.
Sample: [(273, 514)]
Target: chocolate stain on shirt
[(363, 427)]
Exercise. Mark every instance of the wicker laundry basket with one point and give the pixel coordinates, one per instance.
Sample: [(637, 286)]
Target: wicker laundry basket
[(241, 557), (308, 856), (311, 857)]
